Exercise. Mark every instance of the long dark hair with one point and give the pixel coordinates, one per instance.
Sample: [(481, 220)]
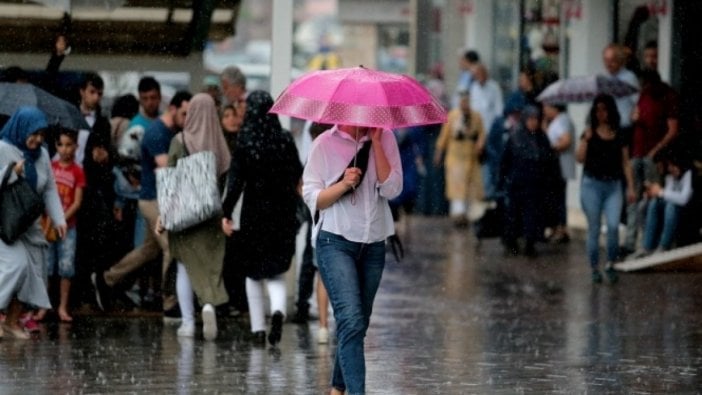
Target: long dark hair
[(612, 112)]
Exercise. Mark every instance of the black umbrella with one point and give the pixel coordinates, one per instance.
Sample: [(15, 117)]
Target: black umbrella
[(57, 110)]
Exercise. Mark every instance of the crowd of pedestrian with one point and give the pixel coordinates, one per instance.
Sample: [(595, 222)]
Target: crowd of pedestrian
[(518, 157), (103, 238)]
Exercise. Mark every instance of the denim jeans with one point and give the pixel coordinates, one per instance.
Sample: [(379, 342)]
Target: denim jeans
[(598, 197), (351, 272), (652, 231), (643, 170), (62, 255)]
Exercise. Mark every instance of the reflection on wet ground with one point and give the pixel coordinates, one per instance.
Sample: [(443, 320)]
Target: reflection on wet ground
[(452, 318)]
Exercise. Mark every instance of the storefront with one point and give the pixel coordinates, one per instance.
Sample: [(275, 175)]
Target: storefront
[(511, 35), (520, 34)]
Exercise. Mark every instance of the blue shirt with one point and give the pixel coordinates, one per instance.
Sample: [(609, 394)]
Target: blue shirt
[(157, 140), (142, 121)]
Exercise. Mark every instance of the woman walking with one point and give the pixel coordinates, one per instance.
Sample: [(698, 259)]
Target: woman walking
[(22, 263), (266, 168), (605, 156), (460, 144), (528, 170), (354, 221), (199, 249)]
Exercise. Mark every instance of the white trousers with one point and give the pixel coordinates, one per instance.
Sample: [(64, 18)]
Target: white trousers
[(254, 293), (184, 291)]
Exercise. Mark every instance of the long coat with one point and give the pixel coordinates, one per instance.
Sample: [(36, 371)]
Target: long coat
[(265, 167), (200, 249), (22, 264), (463, 179)]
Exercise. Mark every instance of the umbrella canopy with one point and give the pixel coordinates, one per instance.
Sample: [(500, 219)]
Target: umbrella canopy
[(360, 96), (14, 96), (581, 89)]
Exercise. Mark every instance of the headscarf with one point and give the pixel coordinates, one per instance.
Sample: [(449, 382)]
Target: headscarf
[(515, 103), (98, 175), (258, 132), (530, 111), (23, 123), (203, 131)]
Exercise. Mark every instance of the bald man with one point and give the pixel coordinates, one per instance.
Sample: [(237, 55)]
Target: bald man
[(614, 59)]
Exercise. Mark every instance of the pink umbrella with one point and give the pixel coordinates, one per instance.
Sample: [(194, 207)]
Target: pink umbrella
[(360, 96)]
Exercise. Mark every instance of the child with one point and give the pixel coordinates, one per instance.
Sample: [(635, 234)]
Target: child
[(97, 220), (70, 182), (666, 202)]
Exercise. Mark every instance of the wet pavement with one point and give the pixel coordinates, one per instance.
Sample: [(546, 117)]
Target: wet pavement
[(454, 317)]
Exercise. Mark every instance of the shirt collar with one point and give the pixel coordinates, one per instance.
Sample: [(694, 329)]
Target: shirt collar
[(335, 131)]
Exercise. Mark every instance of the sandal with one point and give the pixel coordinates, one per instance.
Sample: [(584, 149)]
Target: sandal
[(16, 333)]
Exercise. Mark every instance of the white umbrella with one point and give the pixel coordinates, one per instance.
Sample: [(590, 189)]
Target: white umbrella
[(585, 88)]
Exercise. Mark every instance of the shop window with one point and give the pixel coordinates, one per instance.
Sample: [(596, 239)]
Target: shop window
[(541, 39), (393, 48)]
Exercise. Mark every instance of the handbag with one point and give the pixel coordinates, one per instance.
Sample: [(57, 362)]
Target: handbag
[(20, 206), (187, 194)]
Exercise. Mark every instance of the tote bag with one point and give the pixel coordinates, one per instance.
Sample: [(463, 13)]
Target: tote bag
[(187, 193), (20, 206)]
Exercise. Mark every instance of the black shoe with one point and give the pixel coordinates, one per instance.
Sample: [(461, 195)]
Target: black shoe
[(596, 276), (612, 275), (624, 252), (172, 316), (530, 251), (258, 338), (511, 248), (276, 328), (460, 222), (300, 317), (103, 296)]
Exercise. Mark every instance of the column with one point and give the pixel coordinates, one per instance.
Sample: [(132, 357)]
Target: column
[(281, 51)]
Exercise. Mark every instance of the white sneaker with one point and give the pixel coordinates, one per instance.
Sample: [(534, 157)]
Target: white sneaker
[(323, 336), (186, 330), (209, 322)]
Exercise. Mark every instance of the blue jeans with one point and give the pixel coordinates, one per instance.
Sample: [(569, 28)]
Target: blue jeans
[(670, 212), (643, 170), (351, 273), (598, 197)]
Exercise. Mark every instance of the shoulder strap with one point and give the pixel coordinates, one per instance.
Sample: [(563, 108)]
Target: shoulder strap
[(362, 157)]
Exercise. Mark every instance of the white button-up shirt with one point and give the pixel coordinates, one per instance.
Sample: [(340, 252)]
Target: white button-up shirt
[(626, 104), (362, 216), (487, 101)]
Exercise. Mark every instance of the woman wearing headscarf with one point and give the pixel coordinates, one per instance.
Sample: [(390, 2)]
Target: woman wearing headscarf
[(529, 169), (266, 168), (22, 262), (199, 250), (97, 219), (459, 146)]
